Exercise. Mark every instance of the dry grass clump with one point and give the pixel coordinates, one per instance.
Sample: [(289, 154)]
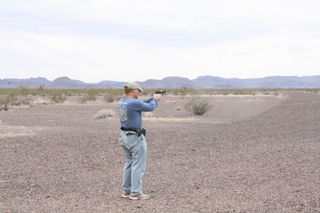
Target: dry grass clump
[(198, 105), (110, 98), (104, 113)]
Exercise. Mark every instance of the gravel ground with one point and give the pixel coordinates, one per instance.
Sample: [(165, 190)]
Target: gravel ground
[(247, 154)]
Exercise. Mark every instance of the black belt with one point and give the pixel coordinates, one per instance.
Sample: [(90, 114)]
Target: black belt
[(138, 131), (128, 129)]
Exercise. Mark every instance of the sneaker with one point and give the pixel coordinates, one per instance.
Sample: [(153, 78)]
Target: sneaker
[(138, 196), (125, 194)]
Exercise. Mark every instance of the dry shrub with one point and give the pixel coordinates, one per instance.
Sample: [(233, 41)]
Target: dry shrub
[(57, 96), (104, 113), (82, 100), (198, 105), (91, 95), (11, 100), (4, 103), (22, 101), (109, 98)]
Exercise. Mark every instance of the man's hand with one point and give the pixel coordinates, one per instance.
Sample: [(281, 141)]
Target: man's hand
[(157, 96)]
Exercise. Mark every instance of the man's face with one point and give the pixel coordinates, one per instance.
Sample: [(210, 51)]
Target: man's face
[(136, 93)]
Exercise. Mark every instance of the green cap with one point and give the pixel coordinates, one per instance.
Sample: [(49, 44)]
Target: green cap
[(132, 85)]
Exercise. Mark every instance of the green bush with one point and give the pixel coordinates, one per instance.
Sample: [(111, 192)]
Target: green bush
[(197, 105)]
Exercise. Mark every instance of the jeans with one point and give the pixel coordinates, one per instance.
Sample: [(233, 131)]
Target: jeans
[(135, 151)]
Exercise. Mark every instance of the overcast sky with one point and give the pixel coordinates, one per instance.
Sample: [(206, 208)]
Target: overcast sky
[(136, 40)]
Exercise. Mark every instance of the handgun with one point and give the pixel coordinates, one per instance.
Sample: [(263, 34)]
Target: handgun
[(160, 92)]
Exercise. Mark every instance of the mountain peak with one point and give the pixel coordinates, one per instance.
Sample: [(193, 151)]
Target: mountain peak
[(64, 78)]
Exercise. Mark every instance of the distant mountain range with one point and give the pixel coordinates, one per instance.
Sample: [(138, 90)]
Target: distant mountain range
[(272, 82)]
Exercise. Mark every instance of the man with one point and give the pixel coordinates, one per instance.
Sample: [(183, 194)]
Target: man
[(132, 139)]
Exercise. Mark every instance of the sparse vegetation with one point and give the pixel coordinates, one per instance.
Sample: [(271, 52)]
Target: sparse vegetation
[(23, 95), (4, 103), (21, 101), (92, 95), (57, 96), (82, 99), (109, 98), (11, 100), (198, 105), (24, 91)]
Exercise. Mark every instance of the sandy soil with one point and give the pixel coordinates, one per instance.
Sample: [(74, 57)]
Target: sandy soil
[(247, 154)]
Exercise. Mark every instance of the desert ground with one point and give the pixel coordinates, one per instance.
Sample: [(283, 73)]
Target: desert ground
[(249, 153)]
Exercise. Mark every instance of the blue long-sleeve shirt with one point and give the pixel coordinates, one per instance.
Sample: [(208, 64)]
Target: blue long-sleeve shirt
[(129, 111)]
